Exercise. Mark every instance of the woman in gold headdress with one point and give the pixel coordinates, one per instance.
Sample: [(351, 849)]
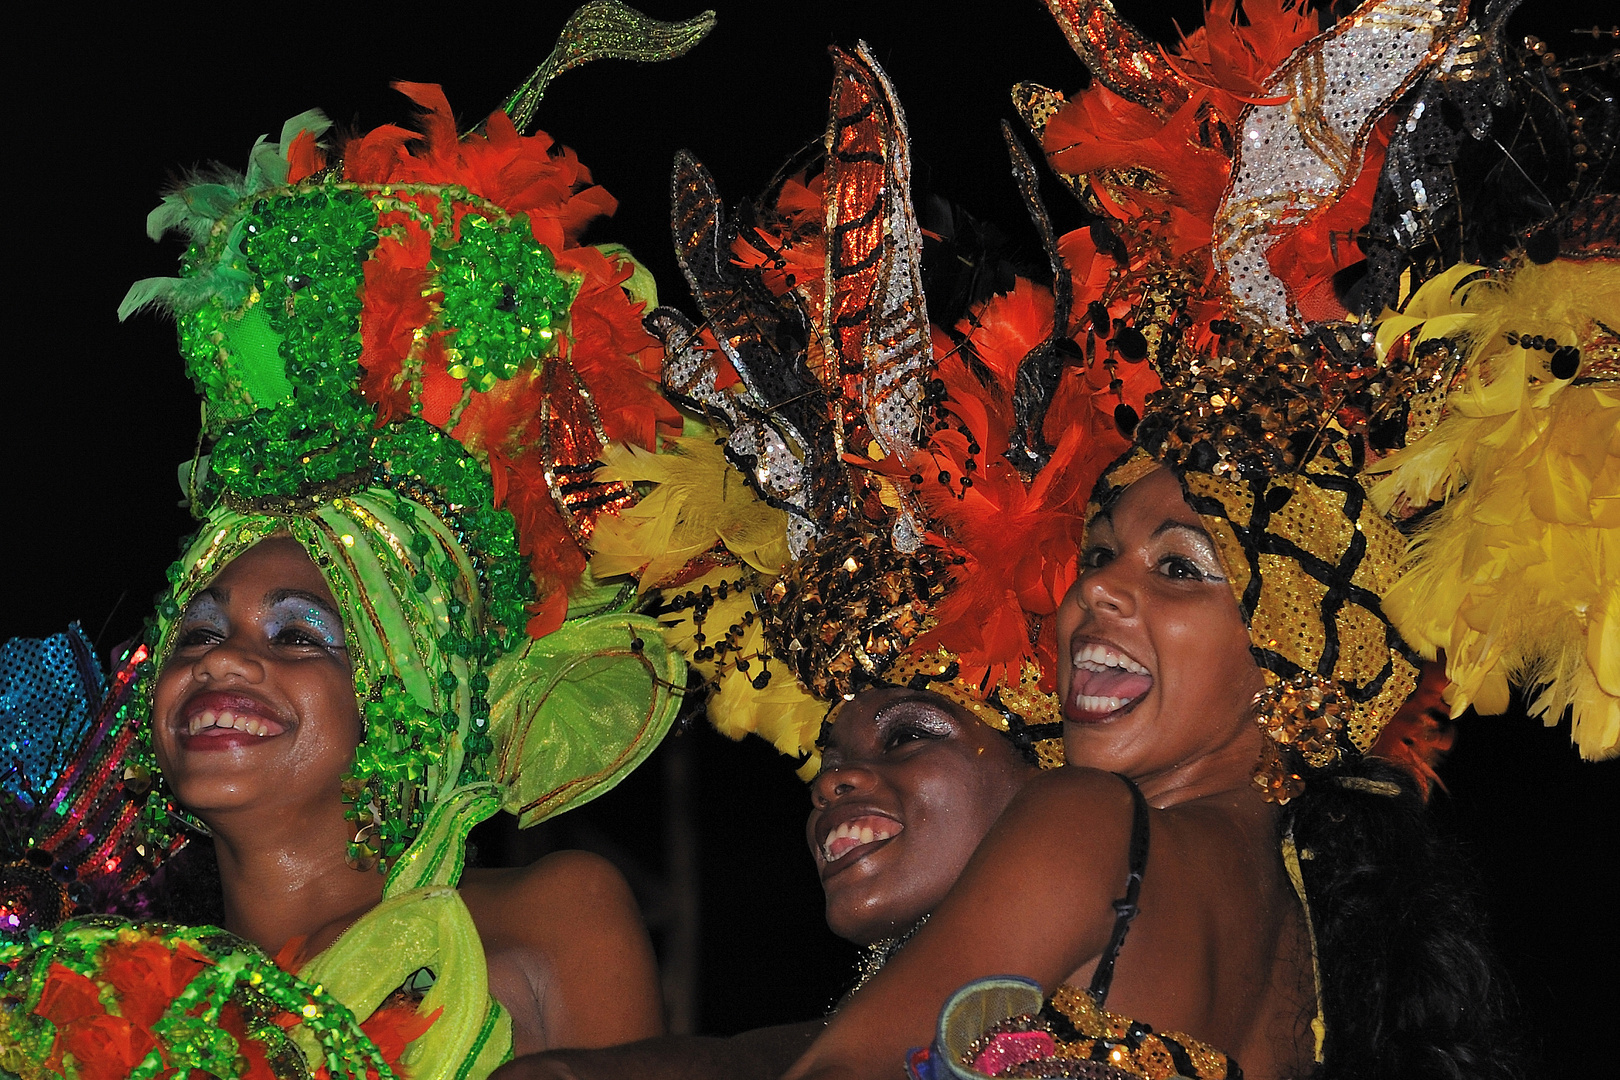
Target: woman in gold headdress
[(1238, 567)]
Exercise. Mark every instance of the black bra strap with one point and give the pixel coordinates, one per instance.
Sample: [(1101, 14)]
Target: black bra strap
[(1125, 906)]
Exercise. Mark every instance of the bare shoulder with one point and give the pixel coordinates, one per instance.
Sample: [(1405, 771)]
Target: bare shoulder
[(561, 876), (1076, 785), (564, 902), (1073, 814), (1061, 848), (567, 950)]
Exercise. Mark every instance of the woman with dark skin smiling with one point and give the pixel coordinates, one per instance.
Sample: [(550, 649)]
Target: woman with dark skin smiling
[(1160, 697), (909, 784), (1220, 948), (255, 724), (383, 632)]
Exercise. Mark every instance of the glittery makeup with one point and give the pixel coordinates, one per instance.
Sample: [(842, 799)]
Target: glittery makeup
[(205, 612), (299, 610)]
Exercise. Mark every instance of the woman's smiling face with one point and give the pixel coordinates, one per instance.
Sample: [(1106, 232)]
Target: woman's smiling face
[(255, 707), (1159, 673), (909, 785)]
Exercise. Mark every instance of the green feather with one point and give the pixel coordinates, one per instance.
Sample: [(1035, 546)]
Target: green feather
[(313, 121), (147, 291)]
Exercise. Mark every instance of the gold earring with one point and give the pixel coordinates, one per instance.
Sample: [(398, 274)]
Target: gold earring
[(1303, 714)]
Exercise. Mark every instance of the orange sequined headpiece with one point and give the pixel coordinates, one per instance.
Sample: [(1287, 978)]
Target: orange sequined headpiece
[(927, 483)]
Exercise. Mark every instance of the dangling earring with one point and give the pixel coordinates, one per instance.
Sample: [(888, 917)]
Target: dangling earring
[(363, 853), (1303, 714)]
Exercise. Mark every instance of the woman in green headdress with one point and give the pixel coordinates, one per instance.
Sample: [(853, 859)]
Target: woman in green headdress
[(384, 630)]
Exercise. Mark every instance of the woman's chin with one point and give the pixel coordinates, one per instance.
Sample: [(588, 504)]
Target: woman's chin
[(868, 927), (210, 797)]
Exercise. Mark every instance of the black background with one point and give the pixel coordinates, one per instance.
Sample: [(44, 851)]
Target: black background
[(106, 108)]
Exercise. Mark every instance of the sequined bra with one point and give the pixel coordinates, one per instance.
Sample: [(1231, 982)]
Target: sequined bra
[(1069, 1034)]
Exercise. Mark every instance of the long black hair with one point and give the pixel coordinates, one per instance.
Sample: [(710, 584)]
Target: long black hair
[(1410, 988)]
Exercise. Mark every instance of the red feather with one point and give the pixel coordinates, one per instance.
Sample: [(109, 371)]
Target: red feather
[(1019, 539), (304, 158), (1307, 257), (605, 353), (1004, 330)]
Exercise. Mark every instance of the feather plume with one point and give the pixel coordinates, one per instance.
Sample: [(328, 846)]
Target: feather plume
[(201, 202), (1231, 59), (1008, 328), (696, 511), (780, 711), (606, 378), (1517, 576), (698, 501), (1017, 539)]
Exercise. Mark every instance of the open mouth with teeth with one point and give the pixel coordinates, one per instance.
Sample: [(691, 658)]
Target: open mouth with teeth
[(858, 834), (215, 721), (1104, 682)]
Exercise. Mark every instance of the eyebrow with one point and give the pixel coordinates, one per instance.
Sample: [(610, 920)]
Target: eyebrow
[(1171, 525), (279, 595)]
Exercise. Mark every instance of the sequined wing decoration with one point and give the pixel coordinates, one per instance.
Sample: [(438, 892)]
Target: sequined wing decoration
[(1042, 368), (776, 416), (605, 30), (874, 322), (1117, 55), (1300, 155), (75, 838), (571, 442), (1417, 197)]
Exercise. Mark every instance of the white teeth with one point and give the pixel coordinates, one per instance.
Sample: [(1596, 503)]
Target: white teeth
[(1094, 657), (862, 835), (1091, 704), (227, 719)]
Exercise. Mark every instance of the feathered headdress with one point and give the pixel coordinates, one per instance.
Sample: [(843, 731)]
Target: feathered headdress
[(1265, 189), (1228, 179), (878, 484), (410, 364), (1515, 573)]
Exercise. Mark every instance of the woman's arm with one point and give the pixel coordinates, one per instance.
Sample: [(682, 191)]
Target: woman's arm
[(568, 953), (1034, 901), (763, 1054)]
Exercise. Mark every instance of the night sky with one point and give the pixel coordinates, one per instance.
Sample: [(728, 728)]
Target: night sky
[(109, 109)]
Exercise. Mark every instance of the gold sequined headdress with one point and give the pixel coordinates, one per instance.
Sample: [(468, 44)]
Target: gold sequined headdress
[(924, 519), (1238, 174), (1324, 167)]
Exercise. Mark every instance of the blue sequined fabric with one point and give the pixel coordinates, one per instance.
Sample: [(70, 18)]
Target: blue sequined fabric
[(48, 691)]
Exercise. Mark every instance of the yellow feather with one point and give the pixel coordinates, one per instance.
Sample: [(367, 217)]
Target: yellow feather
[(782, 712), (693, 501), (1517, 575), (696, 500)]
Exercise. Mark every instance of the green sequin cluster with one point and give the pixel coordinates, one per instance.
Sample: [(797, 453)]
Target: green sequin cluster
[(293, 338), (505, 308), (188, 1035)]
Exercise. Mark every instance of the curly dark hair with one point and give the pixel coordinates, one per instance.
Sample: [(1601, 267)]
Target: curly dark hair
[(1410, 988)]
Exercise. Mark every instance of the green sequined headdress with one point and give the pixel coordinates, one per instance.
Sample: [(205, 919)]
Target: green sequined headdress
[(410, 365)]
